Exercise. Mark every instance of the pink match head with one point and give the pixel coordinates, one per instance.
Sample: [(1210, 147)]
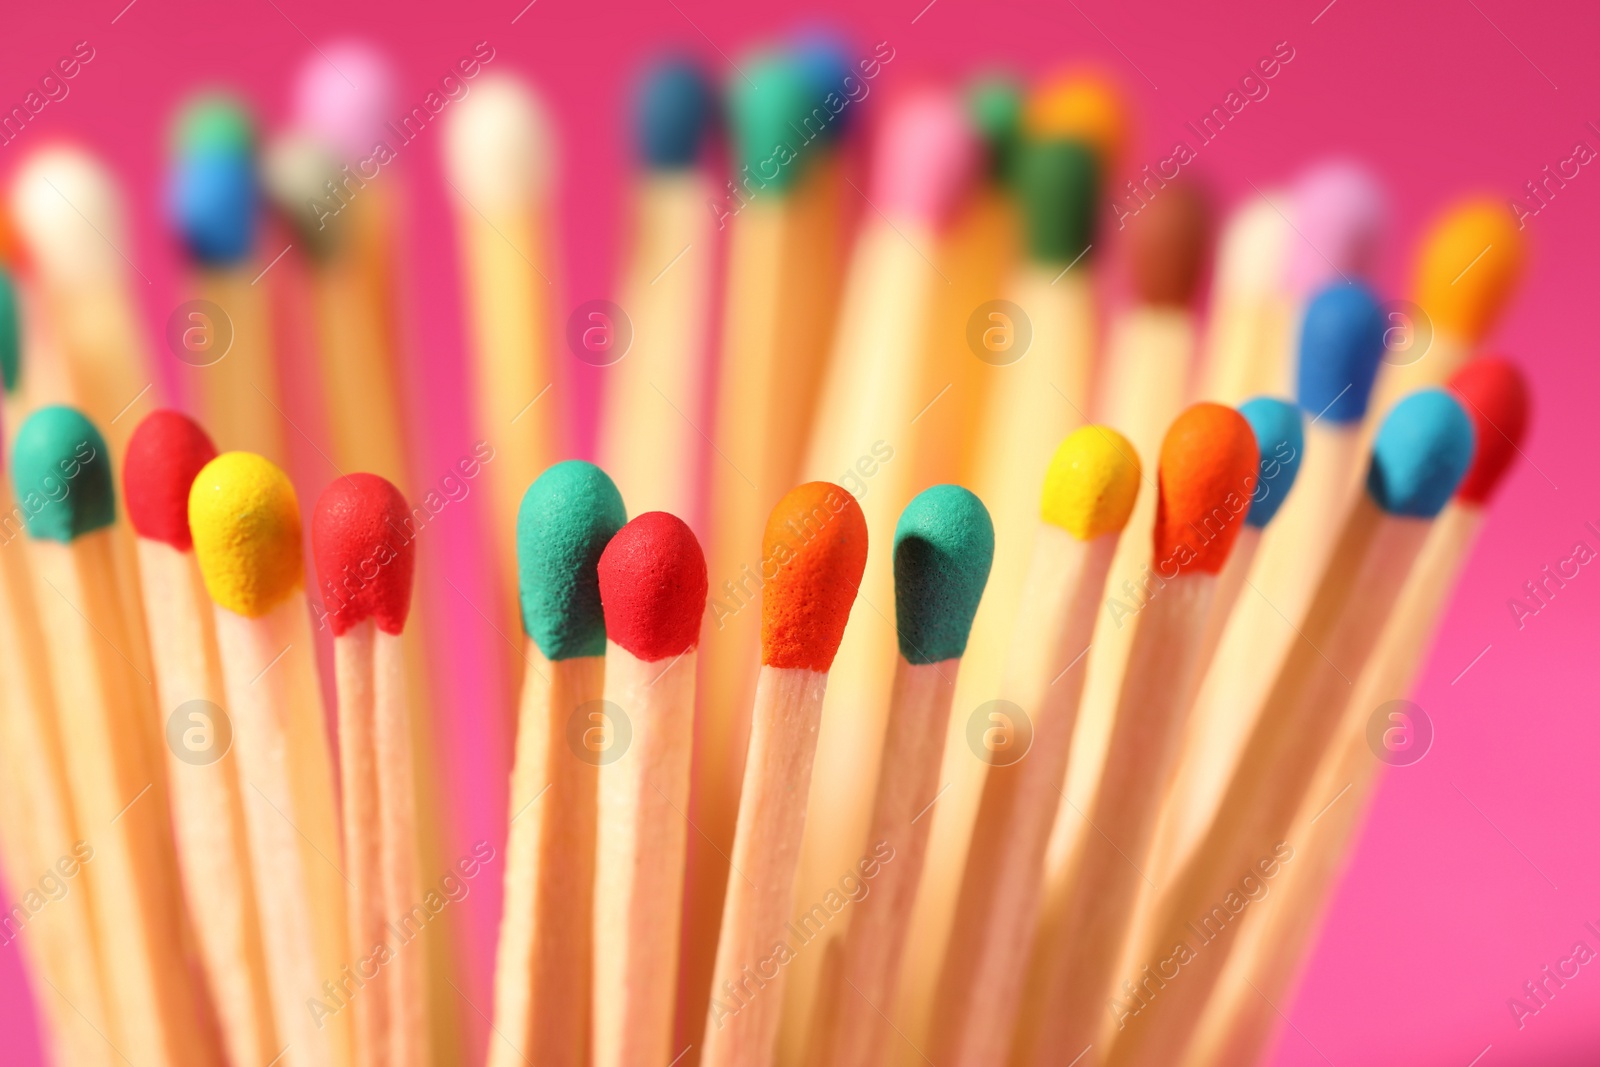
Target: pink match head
[(1340, 211), (927, 155), (344, 95)]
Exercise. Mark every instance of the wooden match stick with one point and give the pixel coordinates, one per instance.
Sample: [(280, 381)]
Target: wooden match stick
[(1418, 459), (943, 548), (653, 587), (245, 521), (165, 453), (542, 969), (815, 547), (1250, 309)]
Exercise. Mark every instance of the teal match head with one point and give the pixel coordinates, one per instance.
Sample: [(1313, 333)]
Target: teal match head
[(1281, 440), (1058, 183), (10, 332), (995, 104), (943, 547), (1420, 455), (214, 124), (61, 471), (767, 110), (567, 516), (673, 114)]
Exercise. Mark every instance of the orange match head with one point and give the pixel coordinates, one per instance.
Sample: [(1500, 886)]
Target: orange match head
[(1207, 477), (812, 556)]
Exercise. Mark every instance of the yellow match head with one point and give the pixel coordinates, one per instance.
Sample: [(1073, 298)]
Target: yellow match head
[(1080, 106), (246, 526), (1092, 483), (1469, 263)]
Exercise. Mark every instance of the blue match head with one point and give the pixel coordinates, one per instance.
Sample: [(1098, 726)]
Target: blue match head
[(824, 64), (1420, 455), (215, 203), (672, 114), (1341, 342), (1281, 441)]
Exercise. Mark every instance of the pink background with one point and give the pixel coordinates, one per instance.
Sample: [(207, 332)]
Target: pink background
[(1452, 902)]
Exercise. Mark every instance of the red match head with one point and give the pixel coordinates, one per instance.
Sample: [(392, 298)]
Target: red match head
[(653, 587), (1495, 395), (365, 552), (164, 455)]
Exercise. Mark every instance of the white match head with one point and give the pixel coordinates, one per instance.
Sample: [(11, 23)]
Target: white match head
[(69, 215), (344, 94), (1253, 252), (499, 144)]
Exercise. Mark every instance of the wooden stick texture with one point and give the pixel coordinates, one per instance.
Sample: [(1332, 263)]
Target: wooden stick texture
[(397, 820)]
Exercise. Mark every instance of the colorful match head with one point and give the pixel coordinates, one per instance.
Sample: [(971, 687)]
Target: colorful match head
[(245, 520), (1058, 183), (567, 517), (673, 111), (1469, 264), (1420, 454), (61, 471), (499, 145), (365, 548), (1495, 394), (1341, 343), (1209, 469), (994, 104), (213, 193), (1167, 244), (1091, 484), (165, 454), (69, 215), (815, 546), (1280, 438), (344, 94), (1081, 107), (10, 332), (653, 587), (823, 59), (295, 171), (767, 111), (943, 548), (1254, 247), (1340, 211), (927, 154)]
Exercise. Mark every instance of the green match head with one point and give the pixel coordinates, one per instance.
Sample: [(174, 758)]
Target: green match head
[(768, 110), (61, 470), (943, 546), (567, 516), (1058, 183), (10, 332), (215, 124), (995, 104)]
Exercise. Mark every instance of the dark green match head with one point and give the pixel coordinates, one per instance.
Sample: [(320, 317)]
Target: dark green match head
[(943, 546)]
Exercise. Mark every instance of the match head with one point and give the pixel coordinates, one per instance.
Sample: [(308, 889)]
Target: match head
[(567, 516), (1340, 210), (994, 106), (673, 112), (1420, 454), (10, 332), (816, 541), (499, 145), (926, 156), (214, 124), (653, 587), (1254, 247), (213, 194), (943, 548), (1092, 483), (1467, 268), (765, 108), (246, 525), (823, 60), (294, 170), (1495, 395), (1341, 343), (69, 215), (1167, 243), (344, 94), (165, 454), (1280, 438), (365, 551), (1208, 474), (1058, 183), (61, 471), (1081, 107)]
